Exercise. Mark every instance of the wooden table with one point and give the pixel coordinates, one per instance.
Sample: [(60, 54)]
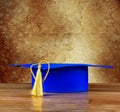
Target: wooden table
[(100, 98)]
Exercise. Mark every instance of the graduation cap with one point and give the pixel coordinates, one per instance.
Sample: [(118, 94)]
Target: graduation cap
[(61, 77)]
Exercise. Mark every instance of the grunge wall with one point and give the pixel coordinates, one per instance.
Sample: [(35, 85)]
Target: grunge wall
[(78, 31)]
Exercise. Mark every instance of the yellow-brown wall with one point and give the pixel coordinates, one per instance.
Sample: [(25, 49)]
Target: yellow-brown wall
[(78, 31)]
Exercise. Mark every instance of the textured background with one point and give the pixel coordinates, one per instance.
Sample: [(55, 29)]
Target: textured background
[(84, 31)]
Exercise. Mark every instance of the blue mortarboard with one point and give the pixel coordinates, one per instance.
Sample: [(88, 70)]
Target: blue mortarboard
[(63, 77)]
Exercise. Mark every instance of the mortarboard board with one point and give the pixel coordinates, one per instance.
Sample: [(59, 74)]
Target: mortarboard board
[(63, 77)]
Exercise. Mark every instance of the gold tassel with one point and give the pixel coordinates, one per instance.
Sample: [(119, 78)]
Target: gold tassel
[(37, 88)]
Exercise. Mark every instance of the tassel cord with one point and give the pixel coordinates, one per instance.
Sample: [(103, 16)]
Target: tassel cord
[(39, 66)]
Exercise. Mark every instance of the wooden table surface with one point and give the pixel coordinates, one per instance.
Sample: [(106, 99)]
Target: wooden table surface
[(100, 98)]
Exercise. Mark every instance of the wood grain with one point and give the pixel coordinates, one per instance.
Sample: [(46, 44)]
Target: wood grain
[(104, 87), (16, 97)]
